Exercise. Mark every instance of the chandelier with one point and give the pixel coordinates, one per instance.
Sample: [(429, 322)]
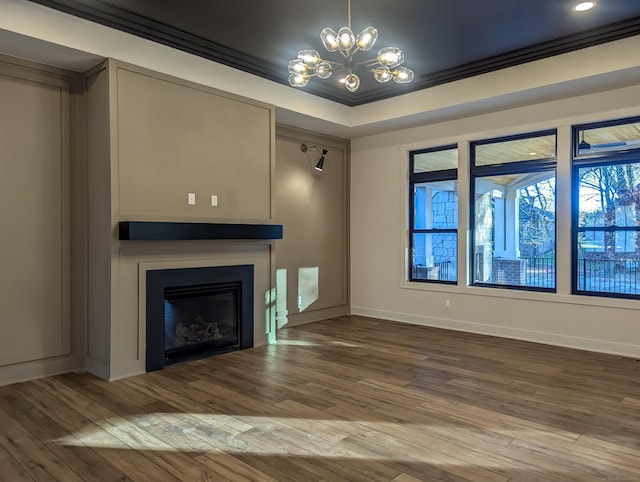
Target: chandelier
[(385, 67)]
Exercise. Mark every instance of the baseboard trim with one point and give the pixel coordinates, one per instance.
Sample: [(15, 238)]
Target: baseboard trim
[(575, 342), (22, 372)]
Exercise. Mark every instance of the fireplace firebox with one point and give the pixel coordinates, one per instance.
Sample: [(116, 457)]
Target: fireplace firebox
[(198, 312)]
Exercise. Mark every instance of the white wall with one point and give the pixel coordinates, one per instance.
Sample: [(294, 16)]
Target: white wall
[(379, 173)]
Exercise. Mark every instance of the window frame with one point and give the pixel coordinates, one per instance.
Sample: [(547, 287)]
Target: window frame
[(424, 177), (606, 158), (516, 167), (618, 154)]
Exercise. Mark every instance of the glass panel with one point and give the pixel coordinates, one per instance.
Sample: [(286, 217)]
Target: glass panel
[(516, 150), (624, 243), (602, 271), (434, 256), (514, 235), (440, 160), (609, 138), (210, 320), (608, 259), (609, 196), (436, 205)]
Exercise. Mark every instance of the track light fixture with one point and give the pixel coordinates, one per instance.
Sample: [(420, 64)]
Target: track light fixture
[(323, 152)]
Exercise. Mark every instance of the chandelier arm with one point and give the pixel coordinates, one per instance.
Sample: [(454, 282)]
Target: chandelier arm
[(332, 62), (367, 63), (311, 74), (340, 68), (350, 53)]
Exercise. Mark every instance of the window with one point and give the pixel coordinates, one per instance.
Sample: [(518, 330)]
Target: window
[(513, 185), (606, 223), (433, 201)]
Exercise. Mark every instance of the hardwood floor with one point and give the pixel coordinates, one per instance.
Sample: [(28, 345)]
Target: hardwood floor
[(347, 399)]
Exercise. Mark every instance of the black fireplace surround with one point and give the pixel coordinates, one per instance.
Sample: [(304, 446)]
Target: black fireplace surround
[(226, 289)]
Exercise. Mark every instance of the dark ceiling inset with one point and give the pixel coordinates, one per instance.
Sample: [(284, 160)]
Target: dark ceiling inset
[(443, 41)]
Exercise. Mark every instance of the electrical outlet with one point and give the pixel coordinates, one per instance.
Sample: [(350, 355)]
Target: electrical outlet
[(447, 303), (214, 200), (191, 199)]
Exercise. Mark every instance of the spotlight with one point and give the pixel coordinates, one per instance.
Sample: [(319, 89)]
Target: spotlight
[(320, 164), (324, 152)]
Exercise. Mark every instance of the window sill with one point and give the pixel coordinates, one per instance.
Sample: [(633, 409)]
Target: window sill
[(492, 292)]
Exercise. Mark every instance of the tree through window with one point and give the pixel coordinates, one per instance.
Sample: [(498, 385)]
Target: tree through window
[(607, 220)]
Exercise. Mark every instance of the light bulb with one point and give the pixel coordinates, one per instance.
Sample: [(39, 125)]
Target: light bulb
[(367, 38), (584, 6), (297, 67), (390, 56), (323, 70), (346, 39), (352, 82), (298, 80), (329, 39), (382, 74), (402, 75), (309, 57)]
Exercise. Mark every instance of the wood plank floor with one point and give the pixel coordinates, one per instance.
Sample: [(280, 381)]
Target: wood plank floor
[(347, 399)]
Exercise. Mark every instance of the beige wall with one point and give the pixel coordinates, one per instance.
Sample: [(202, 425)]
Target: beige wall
[(312, 206), (176, 137), (379, 237), (39, 329), (152, 139)]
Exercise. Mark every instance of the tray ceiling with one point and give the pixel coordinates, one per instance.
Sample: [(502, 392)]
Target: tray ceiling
[(443, 41)]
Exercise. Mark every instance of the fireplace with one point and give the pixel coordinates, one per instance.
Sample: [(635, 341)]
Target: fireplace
[(198, 312)]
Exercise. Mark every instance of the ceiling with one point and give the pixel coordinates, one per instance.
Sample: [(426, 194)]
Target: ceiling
[(443, 40)]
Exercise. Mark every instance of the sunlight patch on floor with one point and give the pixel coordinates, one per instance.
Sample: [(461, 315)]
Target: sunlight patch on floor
[(343, 343), (273, 436), (296, 343), (309, 343)]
